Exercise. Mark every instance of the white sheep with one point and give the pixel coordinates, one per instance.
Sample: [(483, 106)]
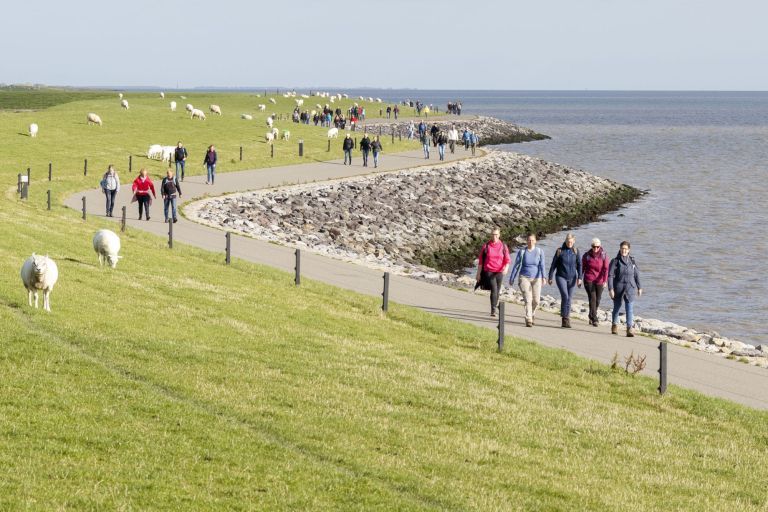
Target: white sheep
[(370, 99), (39, 273), (197, 113), (107, 244), (305, 96), (155, 151), (360, 97), (173, 106), (378, 100), (275, 133), (120, 95), (162, 95), (262, 107), (124, 104), (272, 100), (269, 137), (33, 130), (312, 113), (93, 119), (189, 107), (345, 95), (167, 151), (333, 132), (269, 121), (247, 117), (286, 135), (318, 106), (215, 109), (183, 97), (333, 99), (299, 102)]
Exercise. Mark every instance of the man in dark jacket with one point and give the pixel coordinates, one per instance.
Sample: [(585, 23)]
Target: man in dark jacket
[(169, 190), (376, 147), (365, 147), (433, 132), (180, 156), (347, 146)]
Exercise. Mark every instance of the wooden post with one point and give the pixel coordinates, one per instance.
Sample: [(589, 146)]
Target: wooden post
[(122, 220), (49, 199), (83, 207), (130, 162), (501, 326), (272, 150), (662, 368), (50, 171), (297, 278), (170, 233), (241, 153), (228, 249), (85, 167), (385, 293)]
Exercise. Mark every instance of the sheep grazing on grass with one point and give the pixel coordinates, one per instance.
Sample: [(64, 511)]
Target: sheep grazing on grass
[(173, 106), (275, 133), (299, 102), (162, 95), (39, 273), (269, 121), (183, 97), (345, 95), (197, 113), (286, 135), (272, 100), (262, 107), (247, 117), (93, 119), (333, 99), (189, 107), (167, 151), (155, 151), (318, 106), (269, 137), (215, 109), (33, 130), (107, 244), (124, 104), (333, 133), (305, 96)]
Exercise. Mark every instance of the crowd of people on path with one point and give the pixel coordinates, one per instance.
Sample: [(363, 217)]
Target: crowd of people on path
[(570, 270)]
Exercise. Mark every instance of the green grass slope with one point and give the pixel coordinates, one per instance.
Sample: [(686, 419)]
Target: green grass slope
[(177, 383)]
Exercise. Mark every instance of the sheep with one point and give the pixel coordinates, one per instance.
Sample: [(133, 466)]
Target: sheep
[(167, 151), (162, 95), (286, 135), (183, 97), (173, 106), (33, 130), (312, 113), (124, 104), (93, 119), (155, 151), (215, 109), (299, 102), (275, 133), (345, 95), (272, 100), (378, 100), (305, 96), (120, 95), (333, 132), (269, 121), (370, 99), (247, 117), (39, 273), (189, 107), (197, 113), (360, 97), (333, 99), (107, 244), (270, 138), (318, 106), (262, 107)]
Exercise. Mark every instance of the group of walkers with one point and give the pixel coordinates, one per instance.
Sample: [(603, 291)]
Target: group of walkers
[(367, 146), (570, 270), (439, 138), (393, 110), (454, 107)]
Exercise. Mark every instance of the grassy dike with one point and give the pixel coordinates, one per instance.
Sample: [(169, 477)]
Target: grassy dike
[(176, 383)]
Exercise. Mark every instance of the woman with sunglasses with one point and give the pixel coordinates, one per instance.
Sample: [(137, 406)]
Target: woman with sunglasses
[(594, 266)]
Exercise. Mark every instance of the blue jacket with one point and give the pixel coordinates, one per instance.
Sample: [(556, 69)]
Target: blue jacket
[(537, 253), (567, 263), (624, 278)]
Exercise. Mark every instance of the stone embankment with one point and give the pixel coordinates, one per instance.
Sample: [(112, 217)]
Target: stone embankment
[(390, 221), (489, 129)]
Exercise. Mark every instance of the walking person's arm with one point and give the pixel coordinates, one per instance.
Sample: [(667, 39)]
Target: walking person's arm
[(553, 266), (611, 272), (579, 270), (541, 272), (516, 266), (637, 281)]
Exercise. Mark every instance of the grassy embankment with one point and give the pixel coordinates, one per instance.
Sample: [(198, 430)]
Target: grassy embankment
[(174, 382)]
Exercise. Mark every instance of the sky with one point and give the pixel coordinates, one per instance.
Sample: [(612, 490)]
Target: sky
[(422, 44)]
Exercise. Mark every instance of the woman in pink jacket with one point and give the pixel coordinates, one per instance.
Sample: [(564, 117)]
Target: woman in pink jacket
[(594, 267), (492, 264)]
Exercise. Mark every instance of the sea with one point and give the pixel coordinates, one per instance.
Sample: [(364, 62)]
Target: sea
[(699, 234)]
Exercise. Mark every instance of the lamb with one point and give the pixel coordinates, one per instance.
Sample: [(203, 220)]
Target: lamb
[(93, 119), (162, 95), (215, 109), (33, 130), (269, 137), (272, 100), (124, 104), (155, 151), (107, 244), (197, 113), (247, 117), (173, 106), (39, 273), (189, 107), (286, 135), (333, 132), (262, 107)]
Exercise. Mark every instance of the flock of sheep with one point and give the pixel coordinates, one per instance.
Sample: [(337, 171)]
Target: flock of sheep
[(40, 273)]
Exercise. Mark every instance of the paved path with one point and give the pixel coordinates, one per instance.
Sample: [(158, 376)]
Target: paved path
[(710, 374)]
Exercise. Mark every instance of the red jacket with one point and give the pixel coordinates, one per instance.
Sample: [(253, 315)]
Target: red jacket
[(595, 267), (493, 256), (143, 187)]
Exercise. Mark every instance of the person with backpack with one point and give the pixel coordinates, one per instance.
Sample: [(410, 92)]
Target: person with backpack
[(566, 266), (492, 264), (142, 187), (594, 274), (210, 164), (623, 285), (453, 138), (180, 156), (376, 147), (424, 139), (442, 140), (529, 265), (169, 189), (365, 148), (347, 146), (110, 185)]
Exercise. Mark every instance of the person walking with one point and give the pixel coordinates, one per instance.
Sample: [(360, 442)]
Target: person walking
[(465, 138), (170, 189), (110, 185), (492, 264), (347, 146), (529, 265), (623, 286), (424, 139), (180, 156), (376, 148), (422, 128), (210, 164), (474, 140), (566, 266), (594, 273), (453, 138), (142, 187), (442, 139), (365, 148)]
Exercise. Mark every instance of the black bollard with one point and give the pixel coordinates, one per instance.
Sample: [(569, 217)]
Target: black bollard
[(83, 207), (170, 233), (272, 150), (297, 278), (24, 188), (49, 199), (241, 153), (130, 162), (662, 368), (122, 220), (329, 144), (18, 184), (50, 171), (29, 176), (228, 248), (301, 147), (85, 167), (393, 135), (385, 293), (379, 130), (500, 341)]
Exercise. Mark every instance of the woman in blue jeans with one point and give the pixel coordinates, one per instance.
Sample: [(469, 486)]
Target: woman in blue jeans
[(623, 285), (210, 164), (566, 265)]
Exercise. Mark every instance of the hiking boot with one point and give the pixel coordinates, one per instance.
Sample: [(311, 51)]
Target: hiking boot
[(493, 312), (630, 334), (528, 323), (567, 323), (564, 322), (614, 329)]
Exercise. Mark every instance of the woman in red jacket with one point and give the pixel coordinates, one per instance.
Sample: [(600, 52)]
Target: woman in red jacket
[(142, 187), (594, 267), (494, 262)]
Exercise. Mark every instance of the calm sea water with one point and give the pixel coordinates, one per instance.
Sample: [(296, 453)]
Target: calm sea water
[(699, 236)]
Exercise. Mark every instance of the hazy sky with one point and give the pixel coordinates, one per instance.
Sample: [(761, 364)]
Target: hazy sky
[(440, 44)]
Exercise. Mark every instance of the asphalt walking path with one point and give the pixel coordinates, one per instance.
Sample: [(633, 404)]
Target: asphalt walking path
[(710, 374)]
